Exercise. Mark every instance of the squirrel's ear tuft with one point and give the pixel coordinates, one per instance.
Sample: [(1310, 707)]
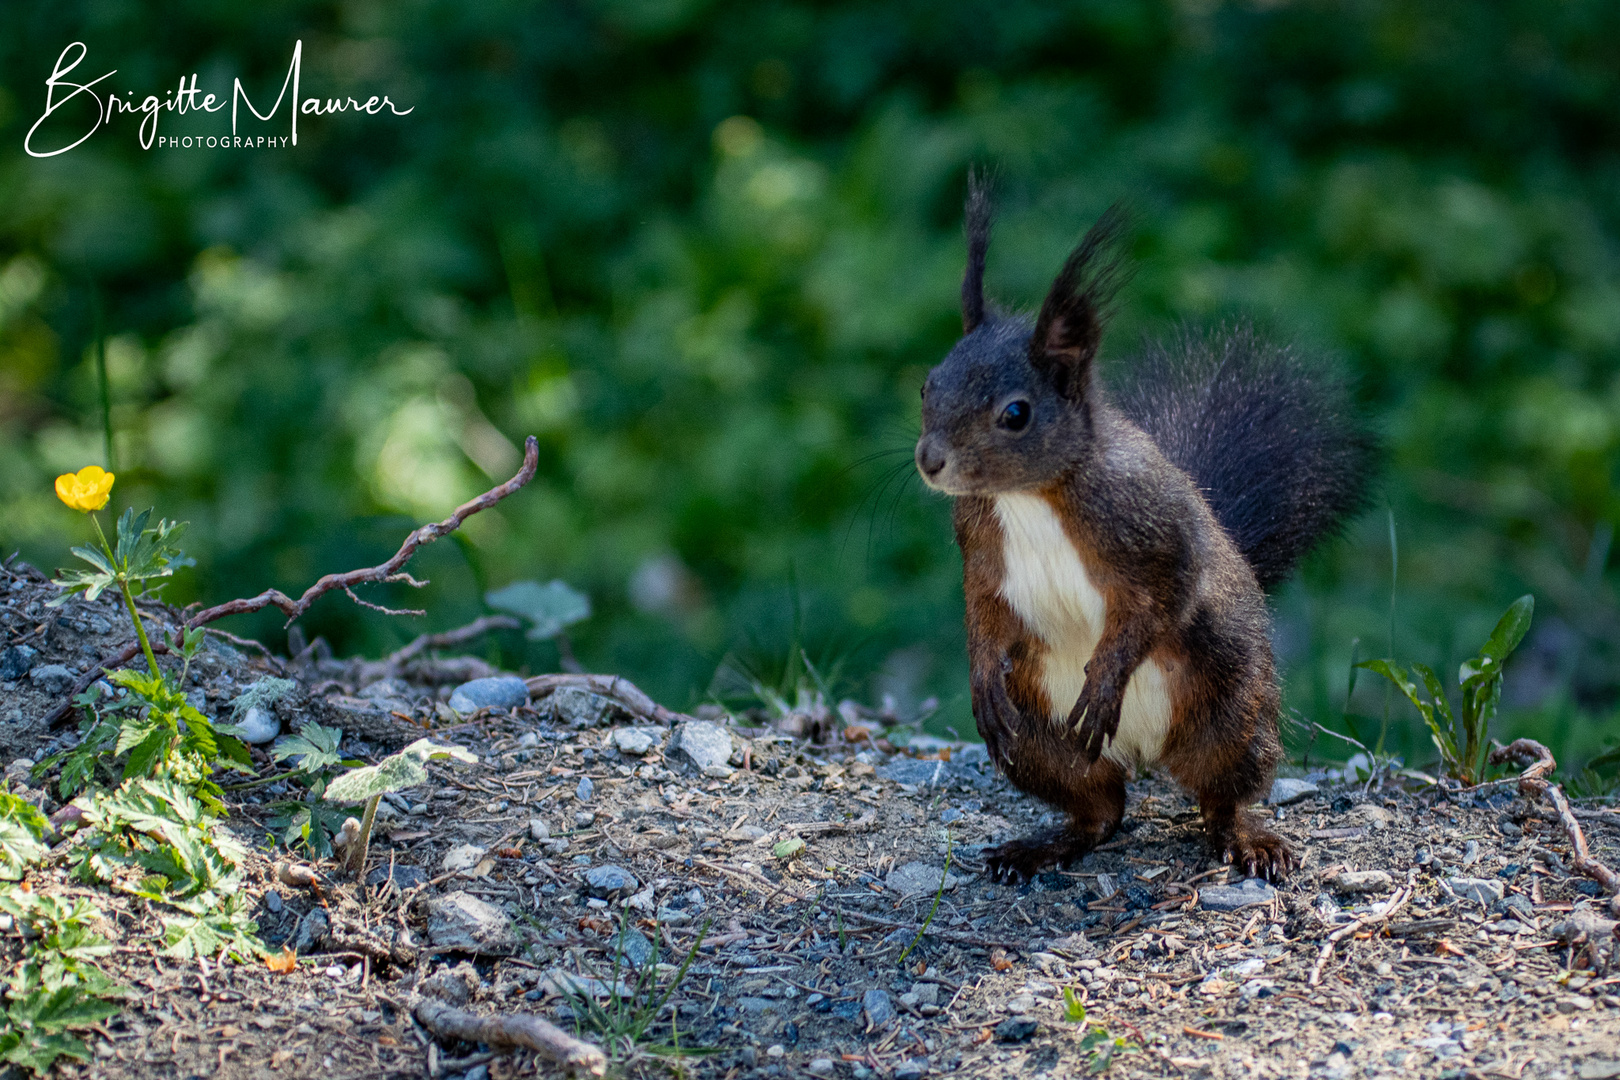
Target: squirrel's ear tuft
[(1069, 328), (978, 213)]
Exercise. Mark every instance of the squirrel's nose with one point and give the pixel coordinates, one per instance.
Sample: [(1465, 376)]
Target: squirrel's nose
[(930, 457)]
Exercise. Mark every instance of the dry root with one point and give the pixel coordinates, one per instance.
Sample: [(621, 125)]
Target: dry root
[(1533, 785), (545, 1039)]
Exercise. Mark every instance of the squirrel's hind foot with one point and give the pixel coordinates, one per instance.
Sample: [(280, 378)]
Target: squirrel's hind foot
[(1017, 861), (1256, 850)]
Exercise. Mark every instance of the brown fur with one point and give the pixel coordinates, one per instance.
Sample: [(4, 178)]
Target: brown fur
[(1176, 588)]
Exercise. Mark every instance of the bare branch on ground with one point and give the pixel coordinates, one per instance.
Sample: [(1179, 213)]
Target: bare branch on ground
[(1538, 762), (542, 1037), (1395, 903), (623, 691)]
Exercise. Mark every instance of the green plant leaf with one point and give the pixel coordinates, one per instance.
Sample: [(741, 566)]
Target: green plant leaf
[(1394, 673), (394, 773), (314, 745), (550, 608), (790, 848), (1510, 629)]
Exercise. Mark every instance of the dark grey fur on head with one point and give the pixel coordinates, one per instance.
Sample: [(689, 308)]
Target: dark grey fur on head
[(1270, 435)]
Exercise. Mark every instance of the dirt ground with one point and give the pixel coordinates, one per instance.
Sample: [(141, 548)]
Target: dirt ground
[(514, 876)]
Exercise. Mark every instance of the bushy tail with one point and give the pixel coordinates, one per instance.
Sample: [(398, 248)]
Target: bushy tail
[(1272, 439)]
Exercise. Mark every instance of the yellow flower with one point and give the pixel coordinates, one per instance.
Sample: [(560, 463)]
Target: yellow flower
[(85, 490)]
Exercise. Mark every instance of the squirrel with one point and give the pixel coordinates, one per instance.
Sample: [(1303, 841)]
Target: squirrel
[(1117, 543)]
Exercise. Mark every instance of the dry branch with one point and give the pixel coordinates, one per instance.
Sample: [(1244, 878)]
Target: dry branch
[(623, 691), (1396, 902), (475, 629), (1538, 761), (542, 1037), (390, 571)]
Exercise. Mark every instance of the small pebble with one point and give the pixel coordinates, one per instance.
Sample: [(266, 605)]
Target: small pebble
[(822, 1067), (539, 830), (272, 902), (879, 1009), (584, 818), (1016, 1029), (776, 1051), (585, 789)]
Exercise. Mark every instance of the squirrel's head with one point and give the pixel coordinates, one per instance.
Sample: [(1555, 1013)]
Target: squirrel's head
[(1011, 406)]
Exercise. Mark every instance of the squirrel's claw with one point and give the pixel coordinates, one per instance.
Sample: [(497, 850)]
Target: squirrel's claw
[(997, 718), (1096, 717)]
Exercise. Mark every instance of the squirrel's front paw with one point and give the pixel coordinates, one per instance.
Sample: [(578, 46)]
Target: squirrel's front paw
[(998, 719), (1096, 715)]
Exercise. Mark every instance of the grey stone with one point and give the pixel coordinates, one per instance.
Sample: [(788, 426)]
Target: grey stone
[(927, 993), (584, 789), (16, 661), (608, 880), (561, 982), (904, 770), (52, 678), (1016, 1029), (1482, 891), (272, 902), (1244, 894), (258, 726), (1599, 1069), (461, 857), (576, 707), (636, 948), (500, 692), (404, 877), (703, 744), (879, 1009), (822, 1066), (465, 923), (918, 878), (312, 930), (539, 830), (913, 1069), (1361, 881), (1285, 790), (387, 690), (634, 741), (756, 1006)]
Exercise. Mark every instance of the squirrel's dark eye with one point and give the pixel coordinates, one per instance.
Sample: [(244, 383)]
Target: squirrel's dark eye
[(1015, 417)]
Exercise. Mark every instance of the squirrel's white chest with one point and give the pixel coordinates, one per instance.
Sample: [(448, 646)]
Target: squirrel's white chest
[(1046, 584)]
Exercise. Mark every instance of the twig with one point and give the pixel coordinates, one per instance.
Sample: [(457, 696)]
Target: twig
[(389, 571), (1396, 902), (626, 692), (1538, 762), (477, 628), (543, 1038)]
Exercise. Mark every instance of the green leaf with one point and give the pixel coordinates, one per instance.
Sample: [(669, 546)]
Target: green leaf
[(1510, 629), (550, 609), (95, 559), (315, 746), (394, 773), (789, 849), (1393, 672), (19, 849), (1437, 692), (1073, 1011)]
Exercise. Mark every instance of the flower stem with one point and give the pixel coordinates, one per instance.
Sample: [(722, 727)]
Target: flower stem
[(140, 629), (129, 601)]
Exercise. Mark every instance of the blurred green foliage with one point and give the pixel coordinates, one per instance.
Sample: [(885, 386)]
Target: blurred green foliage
[(706, 251)]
